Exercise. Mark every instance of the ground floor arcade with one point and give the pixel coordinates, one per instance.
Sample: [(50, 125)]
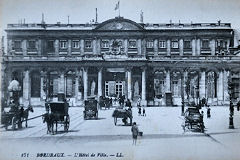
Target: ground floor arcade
[(156, 85)]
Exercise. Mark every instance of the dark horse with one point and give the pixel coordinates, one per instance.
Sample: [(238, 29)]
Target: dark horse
[(49, 119), (25, 113)]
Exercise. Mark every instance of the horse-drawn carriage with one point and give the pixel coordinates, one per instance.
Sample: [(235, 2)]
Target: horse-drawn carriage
[(11, 118), (193, 119), (15, 116), (90, 108), (105, 102), (125, 114), (57, 113)]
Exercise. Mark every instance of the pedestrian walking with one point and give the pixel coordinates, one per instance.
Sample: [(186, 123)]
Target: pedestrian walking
[(128, 104), (139, 111), (139, 102), (201, 118), (144, 114), (238, 105), (134, 132), (208, 112)]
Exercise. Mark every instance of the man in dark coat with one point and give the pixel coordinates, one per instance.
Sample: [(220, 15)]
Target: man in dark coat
[(135, 131)]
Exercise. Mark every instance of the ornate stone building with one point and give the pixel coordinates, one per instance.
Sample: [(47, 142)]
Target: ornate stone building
[(162, 63)]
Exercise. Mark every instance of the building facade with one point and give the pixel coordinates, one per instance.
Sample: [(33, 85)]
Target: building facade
[(161, 63)]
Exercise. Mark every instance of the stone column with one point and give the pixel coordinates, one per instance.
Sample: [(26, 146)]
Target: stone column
[(144, 47), (181, 47), (81, 46), (185, 78), (212, 46), (198, 47), (168, 82), (139, 46), (24, 47), (220, 90), (126, 85), (10, 46), (26, 88), (94, 46), (225, 82), (168, 47), (155, 47), (202, 85), (98, 46), (85, 83), (61, 82), (76, 84), (42, 79), (39, 47), (69, 47), (193, 47), (99, 82), (56, 46), (144, 102), (228, 45), (126, 46), (129, 83)]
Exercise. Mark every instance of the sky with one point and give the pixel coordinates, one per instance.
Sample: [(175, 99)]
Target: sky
[(155, 11)]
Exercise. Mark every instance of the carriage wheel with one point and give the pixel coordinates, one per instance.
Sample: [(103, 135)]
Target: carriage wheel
[(14, 123), (67, 123), (115, 121)]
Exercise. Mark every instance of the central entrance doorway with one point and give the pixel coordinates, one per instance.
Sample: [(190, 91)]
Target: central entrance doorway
[(114, 82), (114, 88)]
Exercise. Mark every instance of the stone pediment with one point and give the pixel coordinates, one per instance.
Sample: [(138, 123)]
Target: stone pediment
[(119, 23)]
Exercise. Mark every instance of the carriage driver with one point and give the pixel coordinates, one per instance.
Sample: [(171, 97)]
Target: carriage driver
[(13, 106)]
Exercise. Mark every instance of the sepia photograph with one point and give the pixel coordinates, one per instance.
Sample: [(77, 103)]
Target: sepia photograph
[(120, 79)]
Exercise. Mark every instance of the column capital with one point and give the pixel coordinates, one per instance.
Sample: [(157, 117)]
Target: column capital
[(143, 68), (85, 69), (129, 68), (202, 69), (100, 69)]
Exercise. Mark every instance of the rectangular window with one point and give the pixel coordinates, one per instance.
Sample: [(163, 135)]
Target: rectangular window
[(105, 44), (187, 44), (150, 44), (17, 44), (50, 46), (88, 44), (63, 44), (162, 44), (31, 44), (75, 44), (175, 44), (205, 43), (221, 43), (132, 44)]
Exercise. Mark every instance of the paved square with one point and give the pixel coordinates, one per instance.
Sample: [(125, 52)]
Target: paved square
[(163, 137)]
